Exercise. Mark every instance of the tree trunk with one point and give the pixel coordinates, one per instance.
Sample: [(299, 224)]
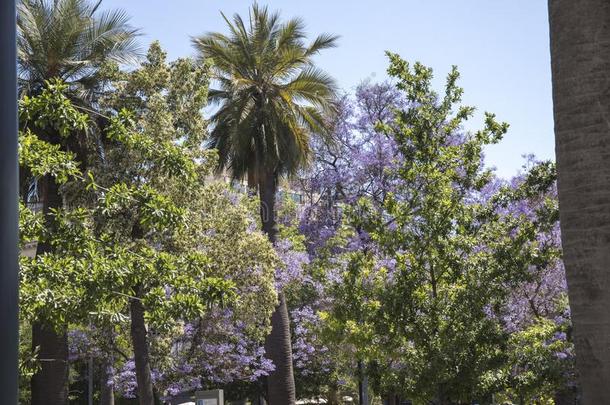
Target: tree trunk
[(106, 368), (267, 189), (49, 384), (391, 400), (90, 381), (106, 390), (363, 384), (280, 383), (333, 396), (580, 61), (139, 341), (565, 397), (442, 397), (252, 183)]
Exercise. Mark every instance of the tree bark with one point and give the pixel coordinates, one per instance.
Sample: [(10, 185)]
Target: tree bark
[(333, 396), (49, 385), (580, 62), (267, 189), (565, 397), (391, 400), (252, 183), (106, 390), (363, 384), (442, 397), (280, 383), (139, 340)]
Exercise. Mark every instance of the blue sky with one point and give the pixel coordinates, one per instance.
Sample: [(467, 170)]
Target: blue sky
[(499, 46)]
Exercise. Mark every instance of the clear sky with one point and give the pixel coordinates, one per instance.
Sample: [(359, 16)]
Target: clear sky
[(499, 46)]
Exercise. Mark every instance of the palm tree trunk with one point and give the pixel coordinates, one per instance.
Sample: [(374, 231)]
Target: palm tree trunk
[(252, 183), (580, 61), (139, 340), (267, 189), (49, 384), (280, 383)]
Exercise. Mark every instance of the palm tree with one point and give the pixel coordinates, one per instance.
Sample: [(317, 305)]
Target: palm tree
[(69, 40), (271, 99), (580, 61)]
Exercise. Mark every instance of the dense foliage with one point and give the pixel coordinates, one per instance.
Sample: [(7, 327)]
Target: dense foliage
[(152, 235), (406, 267)]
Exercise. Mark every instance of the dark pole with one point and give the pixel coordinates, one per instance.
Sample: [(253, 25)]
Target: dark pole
[(9, 285)]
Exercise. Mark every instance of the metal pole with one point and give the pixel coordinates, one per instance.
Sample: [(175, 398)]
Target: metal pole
[(9, 284)]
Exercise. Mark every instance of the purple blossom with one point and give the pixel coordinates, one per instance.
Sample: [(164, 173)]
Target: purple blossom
[(308, 351), (293, 262)]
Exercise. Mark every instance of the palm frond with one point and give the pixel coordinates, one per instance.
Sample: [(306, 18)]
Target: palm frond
[(71, 39), (271, 98)]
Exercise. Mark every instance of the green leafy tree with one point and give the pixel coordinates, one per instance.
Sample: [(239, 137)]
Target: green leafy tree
[(143, 240), (68, 40), (159, 206), (535, 370), (52, 131), (436, 262), (271, 98), (449, 252)]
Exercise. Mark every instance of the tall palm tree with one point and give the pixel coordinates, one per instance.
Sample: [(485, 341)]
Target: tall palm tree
[(271, 99), (580, 61), (69, 40)]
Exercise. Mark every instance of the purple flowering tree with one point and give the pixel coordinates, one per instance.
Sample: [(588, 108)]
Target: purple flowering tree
[(421, 216), (358, 164)]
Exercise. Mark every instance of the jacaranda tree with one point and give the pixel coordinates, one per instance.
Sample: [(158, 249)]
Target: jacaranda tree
[(388, 299)]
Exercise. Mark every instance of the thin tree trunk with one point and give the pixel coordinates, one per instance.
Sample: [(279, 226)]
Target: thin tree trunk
[(580, 61), (90, 381), (391, 400), (280, 383), (106, 390), (139, 340), (442, 398), (49, 385), (106, 369), (333, 396), (363, 384)]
